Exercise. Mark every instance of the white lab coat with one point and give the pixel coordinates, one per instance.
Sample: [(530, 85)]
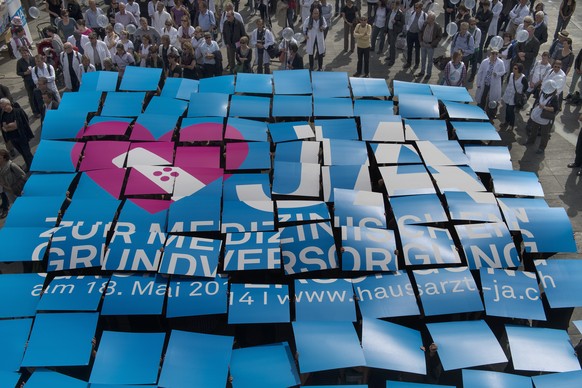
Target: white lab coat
[(172, 33), (48, 72), (269, 40), (101, 50), (305, 9), (497, 8), (314, 34), (76, 68), (496, 77), (159, 20)]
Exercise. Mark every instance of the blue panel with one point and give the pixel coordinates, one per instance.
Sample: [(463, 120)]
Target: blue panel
[(332, 107), (138, 79), (418, 209), (82, 293), (436, 288), (134, 295), (292, 82), (369, 87), (354, 177), (202, 129), (9, 379), (123, 104), (208, 105), (393, 347), (418, 89), (102, 81), (128, 358), (44, 378), (330, 84), (547, 230), (317, 241), (252, 251), (223, 84), (19, 294), (14, 337), (61, 340), (513, 208), (386, 295), (54, 156), (61, 124), (254, 83), (247, 216), (488, 245), (166, 105), (325, 300), (377, 127), (200, 297), (292, 106), (296, 179), (370, 107), (483, 158), (255, 187), (293, 211), (344, 152), (180, 88), (368, 249), (327, 345), (249, 130), (471, 130), (88, 101), (298, 151), (34, 212), (541, 350), (296, 130), (395, 153), (38, 185), (400, 384), (31, 246), (249, 106), (488, 379), (248, 156), (473, 206), (416, 106), (451, 93), (442, 153), (258, 303), (102, 209), (561, 282), (558, 380), (465, 344), (191, 256), (426, 245), (150, 126), (247, 365), (337, 129), (458, 110), (359, 208), (193, 359), (431, 130)]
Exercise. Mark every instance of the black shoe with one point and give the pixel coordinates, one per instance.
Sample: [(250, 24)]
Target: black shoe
[(406, 65), (421, 74), (366, 75), (573, 165), (427, 76), (356, 74)]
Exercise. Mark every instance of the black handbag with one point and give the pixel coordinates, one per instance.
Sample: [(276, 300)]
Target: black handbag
[(519, 99)]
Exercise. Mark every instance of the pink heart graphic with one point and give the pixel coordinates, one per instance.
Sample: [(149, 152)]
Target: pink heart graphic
[(152, 166)]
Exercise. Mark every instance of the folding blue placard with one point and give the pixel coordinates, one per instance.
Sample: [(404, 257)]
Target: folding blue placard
[(346, 129), (101, 81), (369, 87), (9, 379), (87, 101), (393, 347), (88, 186), (248, 156), (418, 106), (327, 345), (208, 105), (247, 365), (344, 177), (488, 245), (247, 216), (123, 104), (80, 246), (293, 211), (418, 209), (249, 106), (202, 129), (189, 297), (359, 208), (296, 179), (385, 295), (298, 151), (31, 243), (344, 152), (137, 79), (401, 384), (442, 153), (258, 303), (123, 385), (431, 130), (192, 180), (195, 359), (288, 131), (62, 339), (547, 230), (451, 93), (332, 107), (488, 379), (43, 378), (63, 124), (127, 358), (104, 126), (89, 210), (247, 187), (407, 180), (514, 208), (242, 129), (191, 256), (379, 127), (558, 380), (222, 84), (292, 82), (456, 178), (291, 106), (561, 282), (206, 218), (366, 107), (473, 206), (330, 84), (447, 291), (368, 249), (541, 350), (166, 105), (412, 88), (148, 214), (483, 158), (54, 156), (511, 294), (395, 153), (457, 110), (180, 88), (254, 83), (14, 337), (37, 185), (324, 300), (66, 293), (106, 154), (465, 344), (475, 130), (427, 245), (315, 240), (135, 295), (252, 251), (512, 182), (34, 212), (19, 294)]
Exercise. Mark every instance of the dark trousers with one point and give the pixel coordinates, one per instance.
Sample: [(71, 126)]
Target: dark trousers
[(290, 17), (510, 115), (578, 160), (30, 93), (378, 33), (262, 68), (363, 57), (392, 45), (412, 41), (21, 145), (533, 128)]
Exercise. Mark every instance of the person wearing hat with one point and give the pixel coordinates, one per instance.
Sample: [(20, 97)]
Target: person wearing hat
[(558, 43), (542, 116), (489, 78), (19, 40)]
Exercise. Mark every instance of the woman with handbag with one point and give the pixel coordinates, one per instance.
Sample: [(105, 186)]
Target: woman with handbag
[(542, 115), (12, 180), (514, 96)]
